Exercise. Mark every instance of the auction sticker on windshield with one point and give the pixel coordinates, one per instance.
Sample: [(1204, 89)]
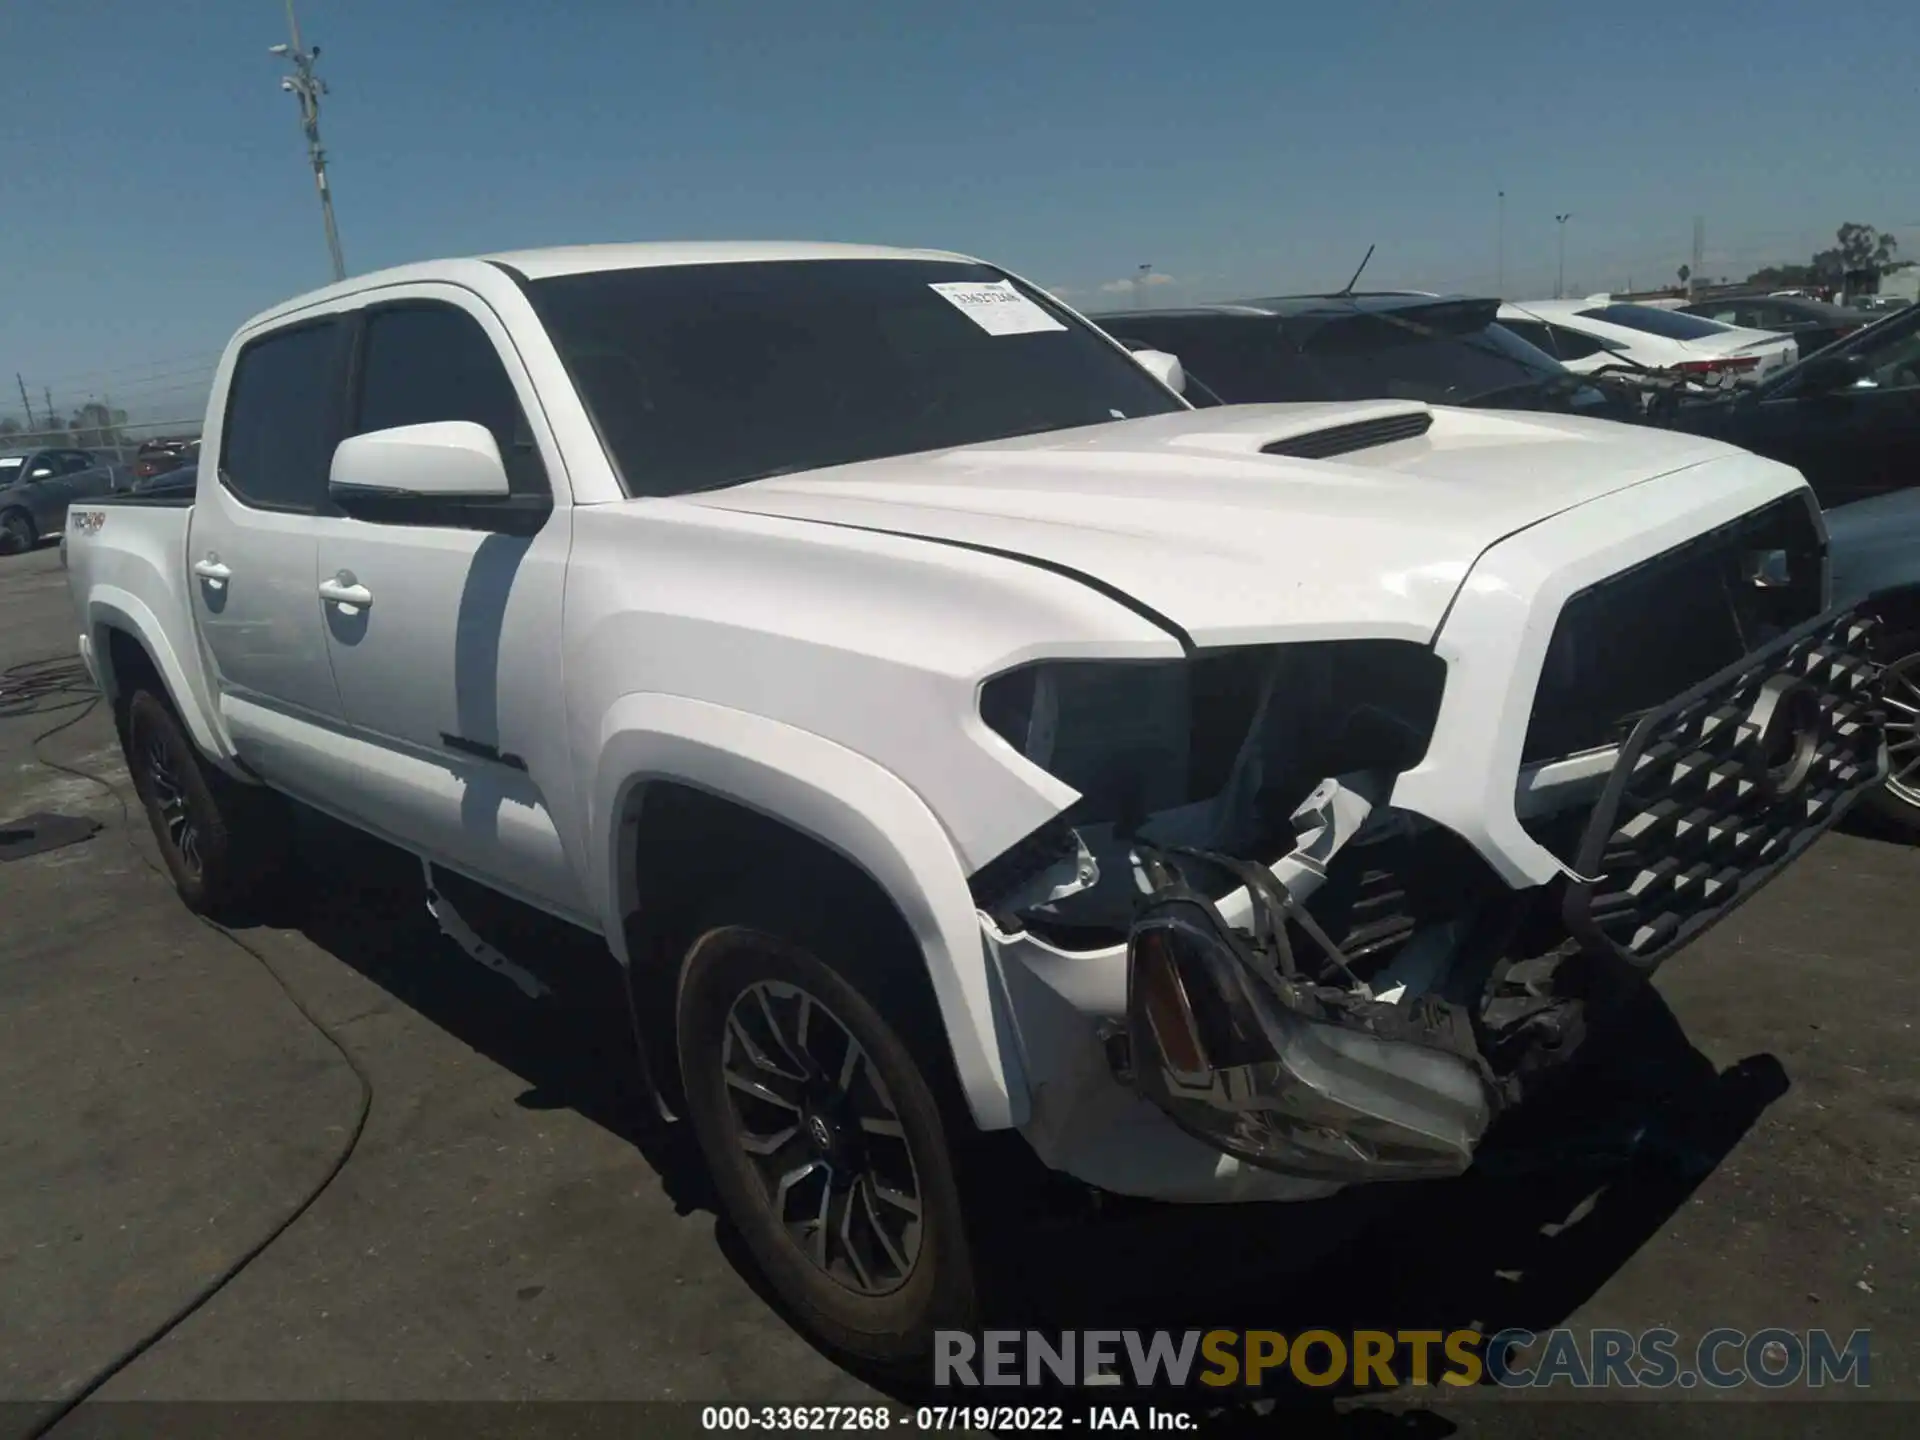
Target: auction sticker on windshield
[(996, 308)]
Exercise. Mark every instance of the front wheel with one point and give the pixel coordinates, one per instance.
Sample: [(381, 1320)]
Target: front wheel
[(1898, 801), (17, 535), (826, 1146)]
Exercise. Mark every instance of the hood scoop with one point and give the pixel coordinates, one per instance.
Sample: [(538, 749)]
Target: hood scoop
[(1335, 440)]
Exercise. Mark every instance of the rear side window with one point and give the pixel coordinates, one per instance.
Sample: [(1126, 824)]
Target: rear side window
[(428, 362), (282, 415), (1652, 320), (1555, 340)]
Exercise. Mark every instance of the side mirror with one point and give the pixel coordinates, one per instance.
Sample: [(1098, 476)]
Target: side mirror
[(1163, 367), (443, 460), (1826, 374)]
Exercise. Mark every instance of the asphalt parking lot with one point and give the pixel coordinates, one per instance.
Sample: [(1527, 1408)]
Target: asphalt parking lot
[(504, 1230)]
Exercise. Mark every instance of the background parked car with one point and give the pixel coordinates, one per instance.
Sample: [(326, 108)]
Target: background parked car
[(169, 470), (36, 486), (1814, 324), (1588, 335), (1848, 418), (1441, 349), (156, 457)]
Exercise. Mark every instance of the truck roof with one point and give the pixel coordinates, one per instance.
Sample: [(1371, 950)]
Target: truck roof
[(554, 260)]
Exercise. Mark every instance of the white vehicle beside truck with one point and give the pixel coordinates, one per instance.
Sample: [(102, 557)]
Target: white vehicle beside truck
[(950, 731)]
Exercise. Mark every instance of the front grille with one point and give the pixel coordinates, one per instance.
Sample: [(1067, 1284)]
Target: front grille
[(1715, 791), (1637, 638), (1345, 439)]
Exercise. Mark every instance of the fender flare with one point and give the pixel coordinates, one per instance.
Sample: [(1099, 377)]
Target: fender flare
[(851, 805), (109, 607)]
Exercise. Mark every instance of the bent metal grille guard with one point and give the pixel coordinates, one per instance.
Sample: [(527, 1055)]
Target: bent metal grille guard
[(1716, 790)]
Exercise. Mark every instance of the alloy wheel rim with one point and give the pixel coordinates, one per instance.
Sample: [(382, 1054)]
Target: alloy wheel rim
[(823, 1136), (170, 799), (1900, 692)]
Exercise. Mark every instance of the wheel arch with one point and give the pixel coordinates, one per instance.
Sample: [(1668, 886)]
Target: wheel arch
[(748, 775), (126, 641)]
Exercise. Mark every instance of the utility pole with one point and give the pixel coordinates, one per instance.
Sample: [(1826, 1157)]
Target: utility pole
[(1500, 261), (1699, 253), (1560, 271), (21, 381), (307, 88), (53, 422)]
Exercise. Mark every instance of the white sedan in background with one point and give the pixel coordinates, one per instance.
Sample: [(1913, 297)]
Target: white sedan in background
[(1588, 335)]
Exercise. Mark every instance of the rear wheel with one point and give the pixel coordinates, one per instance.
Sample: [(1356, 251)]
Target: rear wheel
[(221, 841), (826, 1145), (17, 535), (1898, 801)]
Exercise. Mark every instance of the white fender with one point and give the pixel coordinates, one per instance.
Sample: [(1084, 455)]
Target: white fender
[(846, 802), (109, 607)]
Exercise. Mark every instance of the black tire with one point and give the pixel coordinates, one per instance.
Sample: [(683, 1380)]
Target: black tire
[(880, 1311), (1897, 803), (222, 842), (17, 534)]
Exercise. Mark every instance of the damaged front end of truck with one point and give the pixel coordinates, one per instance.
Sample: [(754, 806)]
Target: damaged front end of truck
[(1330, 987)]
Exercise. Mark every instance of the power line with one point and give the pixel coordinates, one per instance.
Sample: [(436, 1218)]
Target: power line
[(207, 357)]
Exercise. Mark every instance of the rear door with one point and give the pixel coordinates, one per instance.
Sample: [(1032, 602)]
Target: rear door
[(251, 548), (448, 657), (88, 475)]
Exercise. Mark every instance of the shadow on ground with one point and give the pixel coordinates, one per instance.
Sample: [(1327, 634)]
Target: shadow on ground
[(1559, 1201)]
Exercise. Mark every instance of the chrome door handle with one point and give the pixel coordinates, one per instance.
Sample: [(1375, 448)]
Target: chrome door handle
[(212, 569), (345, 592)]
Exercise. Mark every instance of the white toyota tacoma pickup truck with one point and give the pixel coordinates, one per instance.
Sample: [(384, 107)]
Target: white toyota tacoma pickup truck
[(949, 730)]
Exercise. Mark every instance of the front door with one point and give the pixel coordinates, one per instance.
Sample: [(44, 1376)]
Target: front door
[(1853, 443), (251, 553), (445, 637), (46, 492)]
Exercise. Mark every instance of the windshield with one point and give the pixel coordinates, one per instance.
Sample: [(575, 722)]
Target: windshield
[(1652, 320), (1401, 358), (703, 376), (1448, 357)]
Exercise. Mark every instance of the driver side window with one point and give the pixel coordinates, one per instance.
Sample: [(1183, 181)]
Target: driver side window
[(1894, 364)]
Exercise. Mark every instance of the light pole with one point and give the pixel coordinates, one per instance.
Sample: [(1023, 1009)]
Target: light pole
[(1500, 262), (1140, 287), (1560, 271), (307, 88)]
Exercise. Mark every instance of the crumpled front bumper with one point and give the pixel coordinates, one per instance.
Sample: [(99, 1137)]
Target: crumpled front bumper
[(1712, 795), (1629, 854)]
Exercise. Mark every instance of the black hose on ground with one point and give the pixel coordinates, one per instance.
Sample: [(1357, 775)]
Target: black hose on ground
[(41, 687)]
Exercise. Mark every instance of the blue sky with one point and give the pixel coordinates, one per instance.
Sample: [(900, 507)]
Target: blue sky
[(155, 191)]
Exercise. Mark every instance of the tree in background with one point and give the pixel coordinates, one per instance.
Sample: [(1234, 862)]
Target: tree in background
[(94, 424), (1861, 253)]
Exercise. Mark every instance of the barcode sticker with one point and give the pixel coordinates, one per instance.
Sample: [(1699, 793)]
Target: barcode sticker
[(996, 308)]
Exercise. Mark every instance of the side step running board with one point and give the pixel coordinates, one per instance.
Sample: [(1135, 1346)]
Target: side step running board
[(455, 928)]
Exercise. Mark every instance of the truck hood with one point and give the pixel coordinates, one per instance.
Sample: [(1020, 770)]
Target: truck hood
[(1188, 516)]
